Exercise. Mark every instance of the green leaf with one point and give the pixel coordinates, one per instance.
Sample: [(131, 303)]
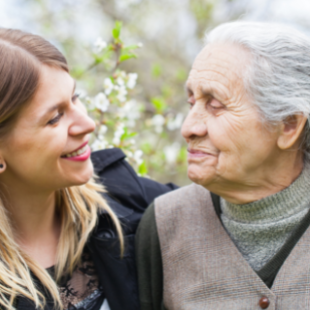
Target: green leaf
[(142, 169), (127, 135), (115, 33), (166, 91), (156, 70), (146, 148), (182, 156), (100, 58), (131, 135), (126, 56), (117, 30), (159, 104), (181, 75), (130, 47), (124, 135), (77, 71), (110, 122)]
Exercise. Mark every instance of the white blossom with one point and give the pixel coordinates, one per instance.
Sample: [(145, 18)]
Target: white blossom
[(130, 111), (138, 157), (99, 45), (122, 74), (129, 154), (122, 92), (120, 81), (102, 102), (158, 121), (103, 130), (116, 140), (132, 80), (99, 145), (108, 86), (140, 44), (175, 123), (118, 134), (81, 93), (90, 104), (171, 152)]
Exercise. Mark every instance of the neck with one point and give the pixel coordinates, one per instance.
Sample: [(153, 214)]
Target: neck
[(265, 182), (35, 222)]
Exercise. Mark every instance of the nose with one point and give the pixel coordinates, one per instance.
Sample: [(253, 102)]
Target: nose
[(194, 125), (82, 124)]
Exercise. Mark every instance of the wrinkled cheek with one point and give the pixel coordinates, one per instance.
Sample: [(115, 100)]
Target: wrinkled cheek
[(228, 165)]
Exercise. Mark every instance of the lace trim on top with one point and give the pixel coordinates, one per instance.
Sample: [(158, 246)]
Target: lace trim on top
[(81, 290)]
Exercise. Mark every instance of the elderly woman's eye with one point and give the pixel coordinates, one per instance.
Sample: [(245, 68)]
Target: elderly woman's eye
[(191, 101), (55, 119), (190, 104), (214, 104)]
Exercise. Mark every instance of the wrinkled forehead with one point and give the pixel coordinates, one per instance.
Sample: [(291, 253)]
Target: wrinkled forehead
[(219, 63)]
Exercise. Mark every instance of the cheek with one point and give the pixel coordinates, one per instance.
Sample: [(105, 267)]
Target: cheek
[(222, 132), (33, 150), (233, 134)]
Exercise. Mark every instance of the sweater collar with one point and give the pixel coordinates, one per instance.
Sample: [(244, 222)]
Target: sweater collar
[(278, 206)]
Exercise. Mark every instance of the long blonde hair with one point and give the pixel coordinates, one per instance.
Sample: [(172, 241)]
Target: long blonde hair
[(21, 55)]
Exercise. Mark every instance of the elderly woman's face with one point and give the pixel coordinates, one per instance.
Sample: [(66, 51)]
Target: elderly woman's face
[(227, 143)]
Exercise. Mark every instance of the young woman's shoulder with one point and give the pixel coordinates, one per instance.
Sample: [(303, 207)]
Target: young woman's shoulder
[(123, 184), (128, 195)]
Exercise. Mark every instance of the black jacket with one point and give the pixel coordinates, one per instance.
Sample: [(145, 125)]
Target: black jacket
[(128, 195)]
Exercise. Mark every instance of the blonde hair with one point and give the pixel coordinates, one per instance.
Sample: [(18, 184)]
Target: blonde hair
[(21, 55)]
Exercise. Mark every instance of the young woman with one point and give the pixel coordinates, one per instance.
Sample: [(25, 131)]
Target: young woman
[(61, 244)]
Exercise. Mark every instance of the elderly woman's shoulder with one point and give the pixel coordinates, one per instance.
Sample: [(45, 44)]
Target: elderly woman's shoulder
[(189, 192)]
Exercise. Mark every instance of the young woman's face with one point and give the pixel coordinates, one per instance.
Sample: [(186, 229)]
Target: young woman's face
[(40, 151)]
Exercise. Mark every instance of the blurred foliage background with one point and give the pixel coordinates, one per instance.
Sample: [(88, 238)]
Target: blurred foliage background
[(131, 59)]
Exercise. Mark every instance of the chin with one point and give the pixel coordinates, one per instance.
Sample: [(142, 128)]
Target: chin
[(200, 176), (82, 177)]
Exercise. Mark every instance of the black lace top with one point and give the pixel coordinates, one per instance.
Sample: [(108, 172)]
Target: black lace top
[(81, 290)]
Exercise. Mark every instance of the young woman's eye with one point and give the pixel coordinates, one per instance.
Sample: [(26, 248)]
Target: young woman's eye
[(55, 119), (75, 96)]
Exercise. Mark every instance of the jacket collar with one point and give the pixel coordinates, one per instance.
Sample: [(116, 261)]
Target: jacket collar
[(104, 158)]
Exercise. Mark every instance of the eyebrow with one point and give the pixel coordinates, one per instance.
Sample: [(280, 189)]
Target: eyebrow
[(206, 91), (58, 105)]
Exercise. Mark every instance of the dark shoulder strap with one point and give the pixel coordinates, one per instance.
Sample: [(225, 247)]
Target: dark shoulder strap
[(269, 271), (216, 203), (149, 262)]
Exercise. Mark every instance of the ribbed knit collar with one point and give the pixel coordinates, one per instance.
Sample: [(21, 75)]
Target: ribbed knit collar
[(292, 200)]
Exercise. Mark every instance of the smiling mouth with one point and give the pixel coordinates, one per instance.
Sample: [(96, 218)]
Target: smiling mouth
[(77, 152)]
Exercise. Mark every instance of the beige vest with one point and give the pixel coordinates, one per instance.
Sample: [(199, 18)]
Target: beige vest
[(203, 269)]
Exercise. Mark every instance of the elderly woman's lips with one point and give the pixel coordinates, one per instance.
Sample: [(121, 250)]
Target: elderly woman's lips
[(197, 153)]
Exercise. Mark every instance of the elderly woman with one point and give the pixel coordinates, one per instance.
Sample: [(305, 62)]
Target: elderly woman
[(239, 238)]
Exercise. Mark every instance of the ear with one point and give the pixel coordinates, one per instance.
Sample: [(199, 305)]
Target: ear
[(2, 165), (290, 131)]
